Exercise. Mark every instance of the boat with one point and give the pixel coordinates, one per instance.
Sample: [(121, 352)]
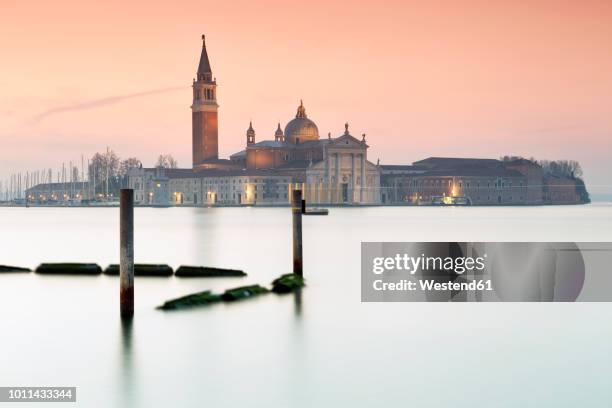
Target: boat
[(316, 211), (451, 200)]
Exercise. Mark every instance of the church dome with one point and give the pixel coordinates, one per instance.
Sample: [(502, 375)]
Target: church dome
[(301, 129)]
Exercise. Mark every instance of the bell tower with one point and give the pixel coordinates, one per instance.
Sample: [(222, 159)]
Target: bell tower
[(250, 134), (278, 135), (205, 138)]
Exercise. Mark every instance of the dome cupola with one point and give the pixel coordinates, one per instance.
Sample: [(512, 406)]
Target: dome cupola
[(301, 129)]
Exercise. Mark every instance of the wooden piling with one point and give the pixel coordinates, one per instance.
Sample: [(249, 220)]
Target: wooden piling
[(126, 252), (296, 209)]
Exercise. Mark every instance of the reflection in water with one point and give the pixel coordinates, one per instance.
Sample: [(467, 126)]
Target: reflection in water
[(297, 301), (298, 354), (126, 339), (126, 363)]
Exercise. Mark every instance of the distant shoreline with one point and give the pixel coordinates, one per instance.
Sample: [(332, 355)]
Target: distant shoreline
[(116, 205)]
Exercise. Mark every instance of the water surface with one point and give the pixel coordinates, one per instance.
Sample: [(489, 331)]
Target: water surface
[(323, 349)]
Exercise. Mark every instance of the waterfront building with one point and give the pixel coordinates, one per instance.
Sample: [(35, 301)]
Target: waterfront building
[(534, 178), (176, 187), (477, 182), (48, 193), (564, 190), (329, 170)]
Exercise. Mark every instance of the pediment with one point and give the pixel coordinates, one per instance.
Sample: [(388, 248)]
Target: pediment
[(348, 141)]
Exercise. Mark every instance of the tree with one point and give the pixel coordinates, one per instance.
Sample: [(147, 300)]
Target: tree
[(575, 168), (75, 174), (127, 164), (172, 162), (166, 161), (562, 168), (104, 172)]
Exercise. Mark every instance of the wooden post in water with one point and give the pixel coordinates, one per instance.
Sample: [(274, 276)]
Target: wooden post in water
[(126, 252), (296, 209)]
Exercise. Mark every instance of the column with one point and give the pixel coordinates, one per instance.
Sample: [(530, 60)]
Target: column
[(363, 178), (327, 178), (337, 187), (353, 182)]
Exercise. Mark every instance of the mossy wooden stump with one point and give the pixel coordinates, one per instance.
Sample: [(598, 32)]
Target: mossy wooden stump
[(69, 269), (195, 299), (284, 284), (287, 283), (142, 270), (8, 268), (243, 292), (206, 272), (207, 297)]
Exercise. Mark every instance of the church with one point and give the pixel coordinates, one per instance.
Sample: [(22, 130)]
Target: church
[(329, 170)]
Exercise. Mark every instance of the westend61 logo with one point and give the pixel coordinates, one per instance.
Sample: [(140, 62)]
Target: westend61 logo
[(485, 272)]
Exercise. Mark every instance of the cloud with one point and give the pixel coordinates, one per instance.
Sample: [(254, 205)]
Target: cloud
[(573, 127), (96, 103)]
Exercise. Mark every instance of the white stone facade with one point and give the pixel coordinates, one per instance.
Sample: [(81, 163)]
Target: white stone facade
[(173, 187), (344, 176)]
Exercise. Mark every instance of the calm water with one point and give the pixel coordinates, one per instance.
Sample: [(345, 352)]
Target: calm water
[(325, 349)]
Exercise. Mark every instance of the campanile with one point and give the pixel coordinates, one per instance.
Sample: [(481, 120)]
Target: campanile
[(205, 138)]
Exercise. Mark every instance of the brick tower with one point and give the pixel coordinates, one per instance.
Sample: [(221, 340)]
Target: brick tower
[(205, 143)]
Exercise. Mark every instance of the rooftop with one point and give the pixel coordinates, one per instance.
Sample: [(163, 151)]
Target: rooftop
[(472, 171), (204, 65), (189, 173), (454, 162), (58, 186)]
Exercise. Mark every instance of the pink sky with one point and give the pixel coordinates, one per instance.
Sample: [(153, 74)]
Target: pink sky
[(421, 78)]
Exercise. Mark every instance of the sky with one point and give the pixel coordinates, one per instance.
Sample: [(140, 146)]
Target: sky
[(420, 78)]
